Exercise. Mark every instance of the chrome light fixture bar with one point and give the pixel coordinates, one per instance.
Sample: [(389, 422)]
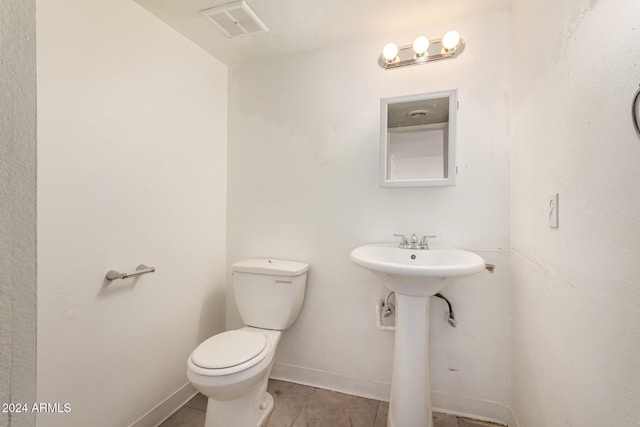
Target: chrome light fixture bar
[(449, 46)]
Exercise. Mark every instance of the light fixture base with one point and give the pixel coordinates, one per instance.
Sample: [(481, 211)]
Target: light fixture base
[(406, 55)]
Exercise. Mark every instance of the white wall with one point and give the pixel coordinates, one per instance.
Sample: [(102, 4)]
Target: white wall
[(303, 185), (576, 293), (17, 208), (131, 169)]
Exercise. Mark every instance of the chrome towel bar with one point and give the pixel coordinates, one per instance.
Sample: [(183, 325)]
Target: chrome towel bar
[(141, 269)]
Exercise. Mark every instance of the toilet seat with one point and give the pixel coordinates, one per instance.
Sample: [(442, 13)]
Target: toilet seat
[(230, 352)]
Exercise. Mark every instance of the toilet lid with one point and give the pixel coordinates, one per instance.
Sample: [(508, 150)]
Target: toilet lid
[(228, 349)]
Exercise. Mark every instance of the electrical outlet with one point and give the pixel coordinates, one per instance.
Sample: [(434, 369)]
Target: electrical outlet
[(552, 210)]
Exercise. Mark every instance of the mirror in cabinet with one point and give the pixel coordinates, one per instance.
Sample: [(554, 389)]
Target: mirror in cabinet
[(418, 138)]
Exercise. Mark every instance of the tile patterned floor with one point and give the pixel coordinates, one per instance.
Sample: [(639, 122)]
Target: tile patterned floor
[(302, 406)]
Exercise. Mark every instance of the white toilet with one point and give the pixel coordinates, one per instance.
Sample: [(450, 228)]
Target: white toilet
[(232, 368)]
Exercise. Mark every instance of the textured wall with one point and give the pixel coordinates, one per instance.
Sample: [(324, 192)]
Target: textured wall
[(576, 294), (131, 169), (303, 184), (17, 207)]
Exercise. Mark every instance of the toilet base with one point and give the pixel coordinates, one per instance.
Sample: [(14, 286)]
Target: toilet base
[(266, 408), (234, 413)]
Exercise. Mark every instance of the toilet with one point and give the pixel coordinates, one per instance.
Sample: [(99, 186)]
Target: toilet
[(232, 368)]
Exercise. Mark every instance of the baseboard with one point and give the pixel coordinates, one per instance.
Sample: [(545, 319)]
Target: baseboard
[(377, 390), (163, 410), (484, 410), (472, 407)]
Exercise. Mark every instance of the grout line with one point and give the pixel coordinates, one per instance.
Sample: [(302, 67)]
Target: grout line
[(193, 407), (304, 406), (375, 419)]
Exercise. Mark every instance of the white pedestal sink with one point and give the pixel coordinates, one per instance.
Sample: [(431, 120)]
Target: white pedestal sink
[(415, 275)]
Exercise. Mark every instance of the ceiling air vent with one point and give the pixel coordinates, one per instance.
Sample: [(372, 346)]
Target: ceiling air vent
[(235, 19)]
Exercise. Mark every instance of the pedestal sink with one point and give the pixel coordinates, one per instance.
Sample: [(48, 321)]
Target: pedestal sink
[(414, 275)]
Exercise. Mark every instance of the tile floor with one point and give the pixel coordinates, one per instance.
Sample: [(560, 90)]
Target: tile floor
[(302, 406)]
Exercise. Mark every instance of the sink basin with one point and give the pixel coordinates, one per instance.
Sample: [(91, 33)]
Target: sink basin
[(416, 271)]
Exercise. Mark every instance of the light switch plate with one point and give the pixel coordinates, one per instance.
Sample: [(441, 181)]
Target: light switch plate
[(552, 210)]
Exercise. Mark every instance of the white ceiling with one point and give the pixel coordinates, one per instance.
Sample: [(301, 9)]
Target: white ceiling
[(300, 25)]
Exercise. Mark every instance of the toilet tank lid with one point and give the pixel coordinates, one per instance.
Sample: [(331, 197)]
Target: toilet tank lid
[(270, 266)]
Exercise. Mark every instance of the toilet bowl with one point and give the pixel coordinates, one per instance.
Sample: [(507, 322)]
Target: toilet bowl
[(237, 393), (232, 368)]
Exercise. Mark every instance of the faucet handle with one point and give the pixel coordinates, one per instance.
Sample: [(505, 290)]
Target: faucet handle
[(424, 242), (403, 238)]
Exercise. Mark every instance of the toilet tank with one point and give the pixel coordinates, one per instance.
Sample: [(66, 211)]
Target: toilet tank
[(269, 292)]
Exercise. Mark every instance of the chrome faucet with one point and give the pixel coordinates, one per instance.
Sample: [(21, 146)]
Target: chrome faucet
[(424, 242), (404, 242)]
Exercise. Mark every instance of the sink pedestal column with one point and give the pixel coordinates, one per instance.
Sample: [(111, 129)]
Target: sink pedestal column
[(410, 404)]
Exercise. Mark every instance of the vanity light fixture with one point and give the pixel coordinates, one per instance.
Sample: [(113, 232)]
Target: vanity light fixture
[(449, 46)]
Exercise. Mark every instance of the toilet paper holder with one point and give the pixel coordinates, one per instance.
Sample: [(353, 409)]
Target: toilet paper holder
[(140, 270)]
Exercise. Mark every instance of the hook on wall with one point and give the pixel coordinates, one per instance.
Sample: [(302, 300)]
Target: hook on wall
[(635, 111)]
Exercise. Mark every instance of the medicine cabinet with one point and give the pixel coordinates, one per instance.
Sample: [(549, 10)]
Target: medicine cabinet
[(418, 139)]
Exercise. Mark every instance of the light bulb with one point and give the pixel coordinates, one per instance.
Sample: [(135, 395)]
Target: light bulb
[(420, 45), (450, 40), (390, 51)]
